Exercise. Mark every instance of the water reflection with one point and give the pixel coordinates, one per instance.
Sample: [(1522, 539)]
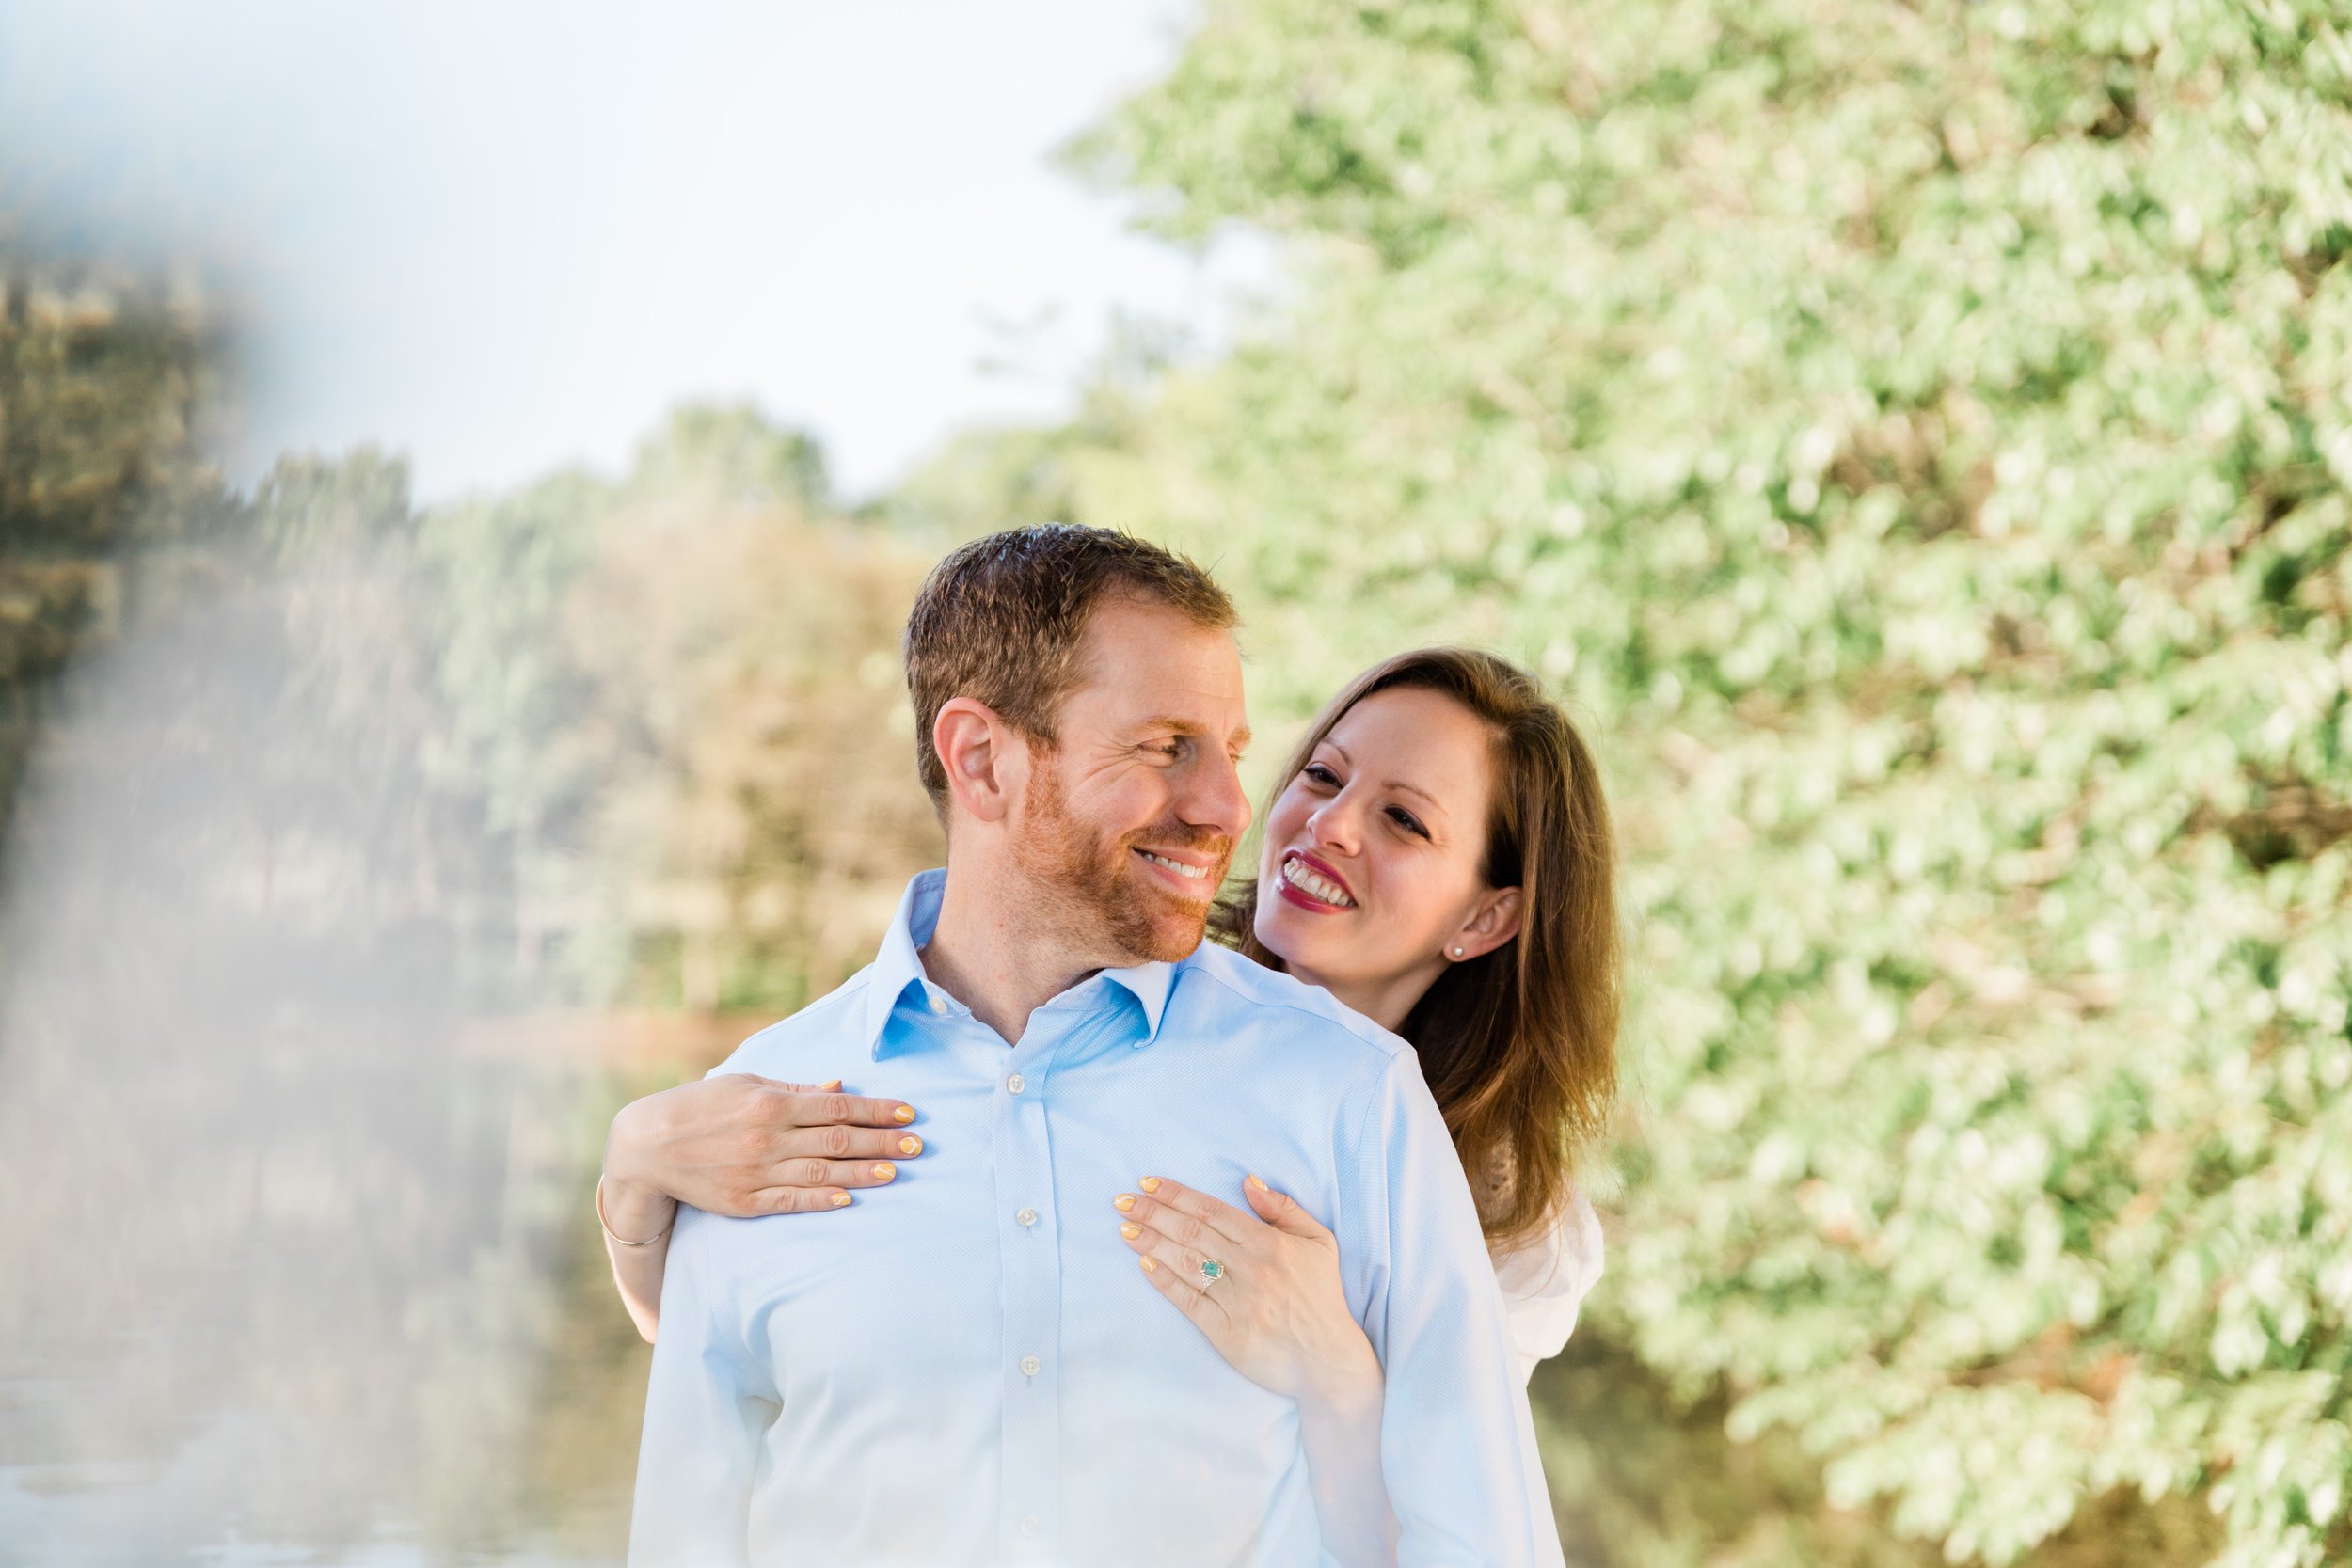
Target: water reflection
[(295, 1268)]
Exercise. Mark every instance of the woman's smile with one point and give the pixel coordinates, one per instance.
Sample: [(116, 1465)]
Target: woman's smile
[(1313, 884)]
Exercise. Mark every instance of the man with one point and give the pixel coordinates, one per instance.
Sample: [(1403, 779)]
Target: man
[(976, 1371)]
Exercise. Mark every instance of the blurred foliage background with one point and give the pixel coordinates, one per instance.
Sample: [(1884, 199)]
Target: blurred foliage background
[(1915, 436)]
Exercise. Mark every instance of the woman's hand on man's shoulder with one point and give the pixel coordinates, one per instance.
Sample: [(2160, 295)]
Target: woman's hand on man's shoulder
[(742, 1145)]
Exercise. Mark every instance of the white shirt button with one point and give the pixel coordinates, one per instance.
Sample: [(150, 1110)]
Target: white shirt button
[(1027, 1216), (1016, 1084), (1029, 1526), (1029, 1364), (939, 1003)]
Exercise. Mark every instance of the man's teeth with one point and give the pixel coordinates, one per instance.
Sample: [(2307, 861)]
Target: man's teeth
[(1297, 874), (1195, 871)]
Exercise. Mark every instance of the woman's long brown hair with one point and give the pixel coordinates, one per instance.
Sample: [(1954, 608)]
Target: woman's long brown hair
[(1518, 1045)]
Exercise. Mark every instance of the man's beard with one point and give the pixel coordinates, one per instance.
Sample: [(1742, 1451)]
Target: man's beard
[(1101, 894)]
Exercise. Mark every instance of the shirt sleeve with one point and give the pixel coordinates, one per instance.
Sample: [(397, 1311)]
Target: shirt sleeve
[(709, 1405), (1457, 1445), (1545, 1282)]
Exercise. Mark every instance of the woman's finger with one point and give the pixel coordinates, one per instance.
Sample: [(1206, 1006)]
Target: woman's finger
[(791, 1087), (1167, 1251), (796, 1200), (837, 1141), (1191, 1215), (1283, 1212), (820, 1110), (834, 1173), (1194, 1302)]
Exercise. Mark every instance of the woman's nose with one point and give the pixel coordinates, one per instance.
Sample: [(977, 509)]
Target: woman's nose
[(1334, 825)]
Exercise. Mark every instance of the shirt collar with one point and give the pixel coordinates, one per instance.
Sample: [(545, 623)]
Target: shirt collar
[(1149, 985), (899, 964)]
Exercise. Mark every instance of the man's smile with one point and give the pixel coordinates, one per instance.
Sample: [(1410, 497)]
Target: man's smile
[(1191, 874)]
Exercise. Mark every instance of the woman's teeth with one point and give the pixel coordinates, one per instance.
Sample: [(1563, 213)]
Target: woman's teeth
[(1297, 874), (1195, 871)]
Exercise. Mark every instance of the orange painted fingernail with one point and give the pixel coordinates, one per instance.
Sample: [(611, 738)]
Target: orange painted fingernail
[(884, 1170), (1130, 1230), (1124, 1203), (823, 1088), (904, 1115), (1260, 1185), (909, 1145), (1149, 1183), (842, 1200), (1150, 1266)]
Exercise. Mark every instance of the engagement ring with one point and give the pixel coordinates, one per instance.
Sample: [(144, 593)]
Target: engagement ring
[(1210, 1272)]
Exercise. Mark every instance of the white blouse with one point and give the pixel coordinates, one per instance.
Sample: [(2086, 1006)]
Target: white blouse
[(1545, 1280)]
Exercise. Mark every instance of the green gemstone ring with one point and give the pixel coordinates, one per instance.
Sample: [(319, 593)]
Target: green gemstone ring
[(1210, 1272)]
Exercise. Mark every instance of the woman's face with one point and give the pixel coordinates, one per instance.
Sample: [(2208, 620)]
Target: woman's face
[(1371, 873)]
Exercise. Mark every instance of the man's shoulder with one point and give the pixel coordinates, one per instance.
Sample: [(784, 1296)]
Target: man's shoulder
[(772, 1052), (1308, 1012)]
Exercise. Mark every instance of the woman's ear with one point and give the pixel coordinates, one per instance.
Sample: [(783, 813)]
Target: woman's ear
[(1494, 922), (987, 767)]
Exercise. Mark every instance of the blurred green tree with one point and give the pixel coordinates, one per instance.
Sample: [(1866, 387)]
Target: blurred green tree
[(674, 693), (1919, 436), (103, 378)]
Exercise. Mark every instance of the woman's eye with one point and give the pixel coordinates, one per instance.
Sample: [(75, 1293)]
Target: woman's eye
[(1405, 820), (1320, 775)]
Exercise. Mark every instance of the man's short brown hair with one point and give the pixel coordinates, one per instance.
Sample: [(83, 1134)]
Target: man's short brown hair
[(1001, 621)]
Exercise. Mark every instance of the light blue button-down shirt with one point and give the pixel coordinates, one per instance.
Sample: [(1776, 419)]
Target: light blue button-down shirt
[(967, 1366)]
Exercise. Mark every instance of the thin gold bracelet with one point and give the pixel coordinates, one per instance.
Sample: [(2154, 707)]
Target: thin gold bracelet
[(624, 1240)]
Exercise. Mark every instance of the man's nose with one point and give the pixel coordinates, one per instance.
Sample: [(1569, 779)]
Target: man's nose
[(1216, 800)]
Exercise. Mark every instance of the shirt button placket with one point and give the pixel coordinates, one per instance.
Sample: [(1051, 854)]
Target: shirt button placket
[(1029, 1249)]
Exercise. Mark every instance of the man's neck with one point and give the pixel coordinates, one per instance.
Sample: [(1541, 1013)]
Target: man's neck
[(990, 953)]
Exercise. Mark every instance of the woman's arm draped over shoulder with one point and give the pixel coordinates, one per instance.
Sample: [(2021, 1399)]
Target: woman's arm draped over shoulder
[(738, 1146), (630, 1212)]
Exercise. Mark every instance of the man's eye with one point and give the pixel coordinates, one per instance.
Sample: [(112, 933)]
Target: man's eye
[(1170, 748)]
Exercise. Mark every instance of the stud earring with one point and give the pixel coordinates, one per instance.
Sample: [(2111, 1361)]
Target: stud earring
[(1458, 952)]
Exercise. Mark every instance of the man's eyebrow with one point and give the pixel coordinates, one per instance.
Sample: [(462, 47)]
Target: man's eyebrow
[(1391, 783), (1190, 729)]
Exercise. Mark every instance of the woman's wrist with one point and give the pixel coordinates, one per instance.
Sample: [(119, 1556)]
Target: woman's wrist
[(637, 1214), (1350, 1387), (641, 1225), (632, 1205)]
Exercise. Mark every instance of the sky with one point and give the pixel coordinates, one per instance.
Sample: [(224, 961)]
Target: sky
[(503, 237)]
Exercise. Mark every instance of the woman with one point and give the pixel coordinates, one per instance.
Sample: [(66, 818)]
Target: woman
[(1439, 859)]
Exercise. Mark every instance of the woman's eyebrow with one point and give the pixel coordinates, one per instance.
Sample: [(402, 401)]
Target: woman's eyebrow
[(1391, 783), (1416, 789)]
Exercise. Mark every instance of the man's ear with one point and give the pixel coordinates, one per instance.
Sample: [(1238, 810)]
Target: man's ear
[(1494, 922), (987, 765)]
